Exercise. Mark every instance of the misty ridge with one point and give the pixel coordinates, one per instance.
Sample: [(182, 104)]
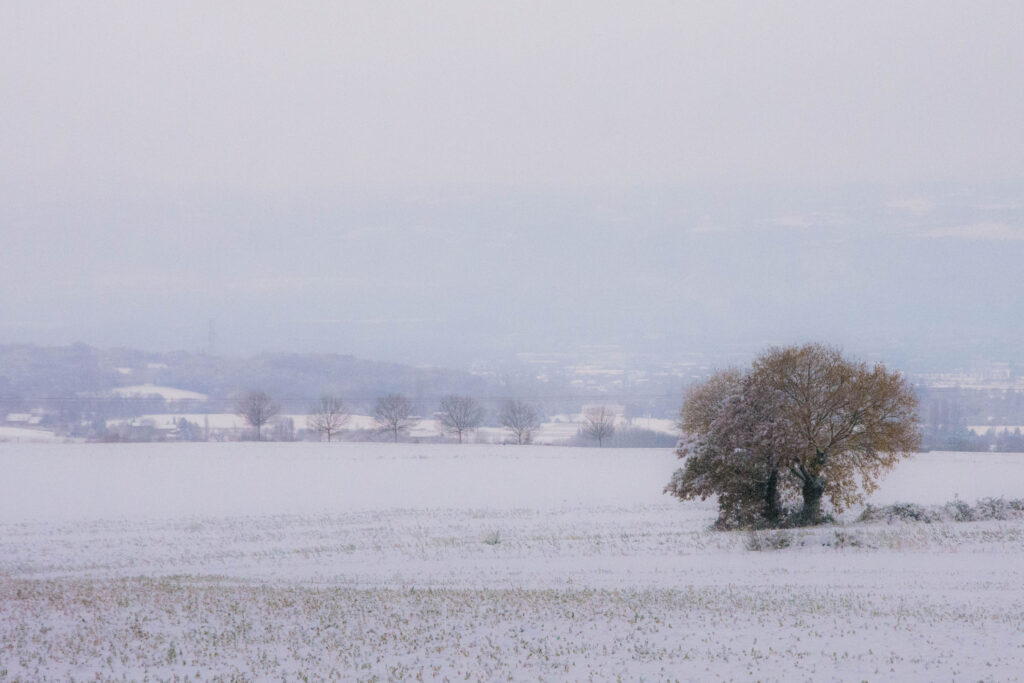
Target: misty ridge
[(83, 393), (922, 277)]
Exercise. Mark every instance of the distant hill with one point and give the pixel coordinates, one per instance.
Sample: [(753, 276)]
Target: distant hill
[(32, 376)]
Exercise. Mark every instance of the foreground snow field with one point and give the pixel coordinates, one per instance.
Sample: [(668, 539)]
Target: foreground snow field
[(374, 561)]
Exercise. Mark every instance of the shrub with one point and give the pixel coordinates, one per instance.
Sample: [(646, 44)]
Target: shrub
[(759, 540), (953, 511)]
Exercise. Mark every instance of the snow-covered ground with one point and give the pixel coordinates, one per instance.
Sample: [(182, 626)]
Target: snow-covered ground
[(481, 562), (167, 393), (29, 435)]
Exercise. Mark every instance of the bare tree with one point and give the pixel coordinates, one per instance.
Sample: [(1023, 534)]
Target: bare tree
[(599, 424), (393, 414), (328, 416), (459, 414), (257, 409), (521, 418)]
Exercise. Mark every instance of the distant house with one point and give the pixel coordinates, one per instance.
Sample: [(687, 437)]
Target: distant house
[(24, 419)]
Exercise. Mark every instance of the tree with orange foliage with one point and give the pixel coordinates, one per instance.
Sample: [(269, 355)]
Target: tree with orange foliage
[(802, 421)]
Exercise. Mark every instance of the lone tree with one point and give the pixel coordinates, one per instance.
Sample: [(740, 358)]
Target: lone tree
[(459, 414), (393, 414), (521, 418), (599, 424), (802, 423), (328, 416), (257, 409)]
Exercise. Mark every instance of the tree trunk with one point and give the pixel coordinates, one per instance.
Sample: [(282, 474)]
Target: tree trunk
[(813, 490), (773, 501)]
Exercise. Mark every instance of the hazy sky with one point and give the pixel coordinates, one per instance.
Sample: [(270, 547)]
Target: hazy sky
[(287, 95), (374, 176)]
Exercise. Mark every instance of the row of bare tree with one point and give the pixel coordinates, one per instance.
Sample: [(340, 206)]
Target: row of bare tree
[(458, 416), (393, 415)]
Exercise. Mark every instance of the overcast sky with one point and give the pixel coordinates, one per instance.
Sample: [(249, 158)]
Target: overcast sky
[(339, 176)]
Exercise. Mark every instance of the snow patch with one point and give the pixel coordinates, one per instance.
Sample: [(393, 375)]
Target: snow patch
[(167, 393)]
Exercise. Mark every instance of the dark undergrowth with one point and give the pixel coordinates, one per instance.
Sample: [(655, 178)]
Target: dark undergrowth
[(954, 511)]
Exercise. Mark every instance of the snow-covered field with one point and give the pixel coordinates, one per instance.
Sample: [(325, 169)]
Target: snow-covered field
[(29, 435), (433, 562), (167, 393)]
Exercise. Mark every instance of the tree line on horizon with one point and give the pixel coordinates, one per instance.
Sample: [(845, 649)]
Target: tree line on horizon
[(394, 417)]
